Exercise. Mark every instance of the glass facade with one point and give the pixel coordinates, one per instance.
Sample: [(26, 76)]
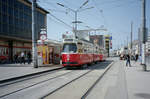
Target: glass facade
[(16, 18)]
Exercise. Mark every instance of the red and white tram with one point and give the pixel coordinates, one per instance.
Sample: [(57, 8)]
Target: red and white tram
[(79, 52)]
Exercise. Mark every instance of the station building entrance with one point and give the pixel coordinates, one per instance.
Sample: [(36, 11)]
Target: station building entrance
[(10, 47)]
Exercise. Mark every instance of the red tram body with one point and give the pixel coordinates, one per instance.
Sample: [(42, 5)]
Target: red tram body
[(76, 53)]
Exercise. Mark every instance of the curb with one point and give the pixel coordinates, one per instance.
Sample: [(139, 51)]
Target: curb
[(27, 75)]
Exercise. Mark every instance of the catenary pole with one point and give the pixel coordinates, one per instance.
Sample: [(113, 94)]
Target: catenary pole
[(75, 24), (34, 42), (131, 36), (143, 32)]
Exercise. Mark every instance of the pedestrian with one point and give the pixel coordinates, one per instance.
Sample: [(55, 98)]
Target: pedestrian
[(16, 58), (136, 56), (22, 57), (29, 57), (128, 60)]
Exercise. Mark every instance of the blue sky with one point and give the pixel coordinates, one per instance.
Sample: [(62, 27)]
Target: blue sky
[(114, 15)]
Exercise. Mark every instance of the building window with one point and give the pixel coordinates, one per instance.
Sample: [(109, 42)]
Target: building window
[(5, 29), (16, 18), (4, 8), (16, 14), (11, 20), (0, 17), (0, 27), (11, 3), (16, 4), (0, 7), (4, 1), (21, 23), (10, 11), (16, 22), (21, 15), (5, 19), (10, 29)]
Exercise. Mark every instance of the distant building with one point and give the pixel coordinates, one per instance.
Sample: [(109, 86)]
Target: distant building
[(98, 39), (140, 39), (107, 43), (148, 45), (16, 26)]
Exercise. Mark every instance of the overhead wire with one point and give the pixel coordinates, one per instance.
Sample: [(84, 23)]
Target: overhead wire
[(48, 2), (57, 22), (60, 20), (71, 17), (101, 13), (70, 3), (56, 17)]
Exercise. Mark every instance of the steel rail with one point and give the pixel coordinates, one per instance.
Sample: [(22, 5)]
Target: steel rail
[(95, 83), (26, 77), (43, 97), (34, 84)]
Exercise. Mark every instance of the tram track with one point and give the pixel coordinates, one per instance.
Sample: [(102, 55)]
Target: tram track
[(43, 97), (31, 85), (96, 82), (88, 91), (67, 76), (26, 77), (21, 92)]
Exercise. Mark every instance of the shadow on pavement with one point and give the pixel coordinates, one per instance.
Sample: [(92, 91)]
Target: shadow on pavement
[(15, 65), (97, 66), (143, 95)]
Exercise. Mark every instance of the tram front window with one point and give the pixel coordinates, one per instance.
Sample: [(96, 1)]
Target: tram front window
[(70, 48)]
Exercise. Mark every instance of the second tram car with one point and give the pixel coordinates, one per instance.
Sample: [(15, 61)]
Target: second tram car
[(79, 52)]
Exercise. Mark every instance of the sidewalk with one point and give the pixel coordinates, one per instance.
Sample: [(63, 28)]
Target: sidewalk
[(8, 71), (138, 81)]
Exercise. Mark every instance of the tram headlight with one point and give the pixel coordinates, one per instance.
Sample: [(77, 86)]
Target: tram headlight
[(68, 56)]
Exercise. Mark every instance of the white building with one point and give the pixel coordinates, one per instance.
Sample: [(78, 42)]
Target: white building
[(148, 45)]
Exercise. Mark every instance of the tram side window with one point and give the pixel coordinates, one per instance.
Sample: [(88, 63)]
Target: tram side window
[(70, 48)]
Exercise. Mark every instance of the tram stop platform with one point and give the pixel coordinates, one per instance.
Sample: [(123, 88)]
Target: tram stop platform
[(13, 71)]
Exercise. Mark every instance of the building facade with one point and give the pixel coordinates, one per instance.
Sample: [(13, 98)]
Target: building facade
[(108, 43), (16, 27), (98, 39)]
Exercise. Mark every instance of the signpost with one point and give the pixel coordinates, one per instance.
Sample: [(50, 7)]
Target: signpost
[(43, 35)]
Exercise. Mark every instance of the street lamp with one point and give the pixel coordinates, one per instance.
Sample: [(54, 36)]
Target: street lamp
[(76, 11)]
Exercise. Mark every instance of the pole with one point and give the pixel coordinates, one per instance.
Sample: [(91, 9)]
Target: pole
[(34, 43), (108, 46), (131, 35), (143, 32), (75, 23), (127, 41)]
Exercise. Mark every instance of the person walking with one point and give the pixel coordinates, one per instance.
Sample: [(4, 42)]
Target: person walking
[(29, 57), (128, 60), (136, 57), (22, 57), (16, 58)]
